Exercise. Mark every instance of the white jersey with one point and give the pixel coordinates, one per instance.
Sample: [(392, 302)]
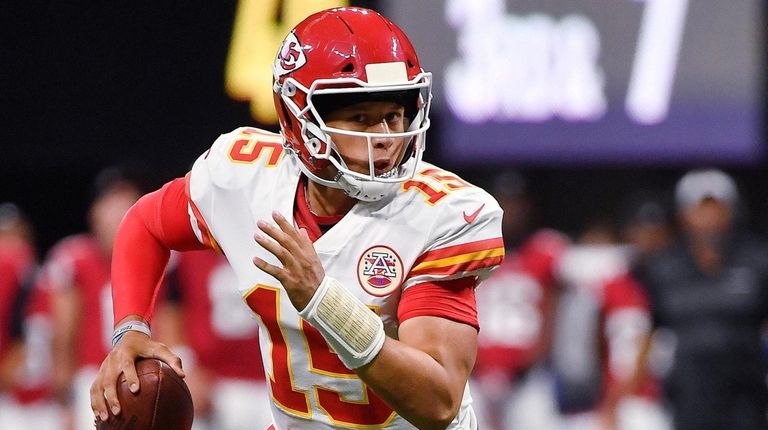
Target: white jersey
[(437, 227)]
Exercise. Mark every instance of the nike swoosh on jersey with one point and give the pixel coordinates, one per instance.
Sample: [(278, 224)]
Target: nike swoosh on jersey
[(470, 218)]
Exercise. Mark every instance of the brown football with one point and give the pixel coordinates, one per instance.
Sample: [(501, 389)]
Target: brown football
[(162, 403)]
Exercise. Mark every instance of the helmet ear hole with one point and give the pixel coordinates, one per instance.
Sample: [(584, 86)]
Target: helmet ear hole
[(289, 89), (313, 145), (348, 68), (314, 139)]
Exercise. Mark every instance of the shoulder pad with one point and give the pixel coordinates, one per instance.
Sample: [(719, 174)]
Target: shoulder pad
[(236, 156)]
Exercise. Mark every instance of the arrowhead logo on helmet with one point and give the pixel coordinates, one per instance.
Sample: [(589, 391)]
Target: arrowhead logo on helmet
[(290, 56)]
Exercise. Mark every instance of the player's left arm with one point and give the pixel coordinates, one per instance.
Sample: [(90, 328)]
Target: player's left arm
[(422, 375)]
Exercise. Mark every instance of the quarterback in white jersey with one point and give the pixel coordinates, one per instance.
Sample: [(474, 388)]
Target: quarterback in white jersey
[(436, 227), (359, 260)]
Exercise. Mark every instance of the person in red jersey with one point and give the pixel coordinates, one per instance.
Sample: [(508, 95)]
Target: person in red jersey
[(631, 397), (516, 308), (359, 259), (601, 337), (205, 322), (25, 401), (76, 273), (17, 261), (628, 400), (31, 403)]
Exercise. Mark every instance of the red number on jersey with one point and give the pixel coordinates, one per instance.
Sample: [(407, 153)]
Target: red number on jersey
[(370, 411), (434, 184), (252, 144), (265, 301)]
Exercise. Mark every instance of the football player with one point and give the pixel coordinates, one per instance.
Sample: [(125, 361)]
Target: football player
[(359, 259), (601, 338), (17, 261), (31, 403), (25, 400), (76, 273)]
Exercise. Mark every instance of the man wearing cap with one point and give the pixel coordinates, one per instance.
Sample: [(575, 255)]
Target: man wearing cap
[(710, 291)]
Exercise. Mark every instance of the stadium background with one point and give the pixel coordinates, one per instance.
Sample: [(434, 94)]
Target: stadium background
[(84, 85)]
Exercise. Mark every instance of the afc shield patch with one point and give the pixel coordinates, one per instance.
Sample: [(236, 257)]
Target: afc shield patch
[(380, 270)]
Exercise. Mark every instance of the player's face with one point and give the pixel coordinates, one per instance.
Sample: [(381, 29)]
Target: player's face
[(378, 117)]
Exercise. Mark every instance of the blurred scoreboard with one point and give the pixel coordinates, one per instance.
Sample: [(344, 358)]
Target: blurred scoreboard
[(593, 81)]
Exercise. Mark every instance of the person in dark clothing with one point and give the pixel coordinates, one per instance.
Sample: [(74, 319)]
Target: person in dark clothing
[(710, 290)]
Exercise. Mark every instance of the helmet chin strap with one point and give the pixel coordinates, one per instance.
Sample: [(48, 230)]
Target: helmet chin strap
[(314, 177), (366, 191)]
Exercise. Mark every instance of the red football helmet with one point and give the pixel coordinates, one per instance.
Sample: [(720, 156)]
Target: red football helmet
[(340, 57)]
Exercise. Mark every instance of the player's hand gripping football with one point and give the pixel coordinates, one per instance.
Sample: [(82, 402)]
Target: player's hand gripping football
[(122, 359), (302, 271)]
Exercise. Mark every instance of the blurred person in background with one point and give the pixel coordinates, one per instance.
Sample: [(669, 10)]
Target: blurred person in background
[(645, 224), (17, 263), (33, 403), (709, 293), (205, 322), (25, 400), (511, 386), (76, 274), (631, 398), (603, 322)]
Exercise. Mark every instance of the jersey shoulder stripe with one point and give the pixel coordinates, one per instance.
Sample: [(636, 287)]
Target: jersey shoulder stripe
[(455, 259), (462, 226)]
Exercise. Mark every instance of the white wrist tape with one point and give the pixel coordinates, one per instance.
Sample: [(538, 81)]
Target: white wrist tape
[(349, 327), (127, 326)]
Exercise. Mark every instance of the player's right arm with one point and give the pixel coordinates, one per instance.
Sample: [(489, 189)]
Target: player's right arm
[(156, 224)]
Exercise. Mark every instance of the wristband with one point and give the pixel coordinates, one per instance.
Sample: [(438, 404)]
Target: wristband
[(134, 325), (354, 331)]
